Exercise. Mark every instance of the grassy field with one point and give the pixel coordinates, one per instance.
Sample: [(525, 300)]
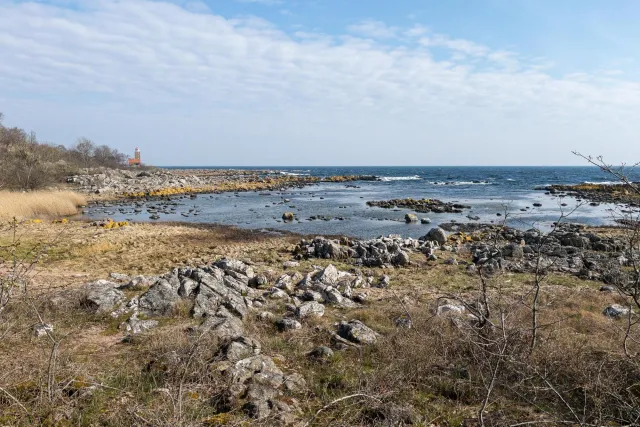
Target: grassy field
[(436, 373)]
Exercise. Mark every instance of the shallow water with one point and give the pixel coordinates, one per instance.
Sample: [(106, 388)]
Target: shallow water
[(495, 190)]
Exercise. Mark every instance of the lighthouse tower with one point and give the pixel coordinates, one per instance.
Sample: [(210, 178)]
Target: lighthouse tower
[(136, 161)]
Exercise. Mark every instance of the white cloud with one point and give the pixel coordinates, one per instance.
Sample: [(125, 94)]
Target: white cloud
[(458, 45), (373, 29), (200, 88)]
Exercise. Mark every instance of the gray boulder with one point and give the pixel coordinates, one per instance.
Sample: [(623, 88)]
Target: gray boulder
[(241, 348), (224, 328), (513, 250), (409, 218), (102, 296), (135, 326), (236, 266), (358, 332), (437, 235), (160, 299), (328, 276), (310, 309)]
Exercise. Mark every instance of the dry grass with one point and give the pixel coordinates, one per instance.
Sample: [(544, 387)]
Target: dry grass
[(435, 373), (39, 204)]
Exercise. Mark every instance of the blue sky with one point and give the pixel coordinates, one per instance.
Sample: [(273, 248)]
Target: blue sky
[(328, 82)]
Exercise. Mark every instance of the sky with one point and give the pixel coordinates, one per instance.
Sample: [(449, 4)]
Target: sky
[(328, 82)]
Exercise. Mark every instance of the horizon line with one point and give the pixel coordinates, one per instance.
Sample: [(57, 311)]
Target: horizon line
[(373, 166)]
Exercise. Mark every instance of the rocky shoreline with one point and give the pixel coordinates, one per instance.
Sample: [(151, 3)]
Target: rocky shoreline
[(117, 183), (596, 193)]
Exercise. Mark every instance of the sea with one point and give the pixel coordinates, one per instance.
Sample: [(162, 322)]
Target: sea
[(341, 209)]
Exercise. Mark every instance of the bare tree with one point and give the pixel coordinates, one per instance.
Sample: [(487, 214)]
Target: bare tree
[(85, 148)]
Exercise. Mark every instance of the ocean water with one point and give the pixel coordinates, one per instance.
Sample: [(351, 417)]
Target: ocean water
[(488, 190)]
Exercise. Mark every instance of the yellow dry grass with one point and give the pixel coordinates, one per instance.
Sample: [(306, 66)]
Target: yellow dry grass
[(39, 204)]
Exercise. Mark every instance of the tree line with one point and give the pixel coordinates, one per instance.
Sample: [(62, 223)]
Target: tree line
[(27, 164)]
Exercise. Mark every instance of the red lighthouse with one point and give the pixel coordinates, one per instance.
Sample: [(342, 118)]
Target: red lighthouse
[(136, 159)]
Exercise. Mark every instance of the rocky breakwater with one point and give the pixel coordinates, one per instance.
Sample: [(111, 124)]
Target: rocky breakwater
[(597, 193), (420, 205), (163, 182), (222, 297)]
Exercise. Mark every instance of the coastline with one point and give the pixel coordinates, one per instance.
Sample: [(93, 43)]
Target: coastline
[(274, 324)]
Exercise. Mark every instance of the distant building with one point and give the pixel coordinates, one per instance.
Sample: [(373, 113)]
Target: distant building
[(136, 158)]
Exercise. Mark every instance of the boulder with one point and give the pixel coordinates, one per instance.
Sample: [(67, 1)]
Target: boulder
[(328, 276), (513, 250), (310, 309), (295, 383), (224, 328), (232, 265), (102, 296), (400, 258), (358, 332), (409, 218), (288, 216), (333, 296), (160, 299), (437, 235), (135, 326), (241, 348)]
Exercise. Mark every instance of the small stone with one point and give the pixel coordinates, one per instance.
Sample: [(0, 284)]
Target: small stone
[(288, 324), (267, 316), (384, 282), (290, 264), (42, 329), (615, 311), (295, 383), (321, 353), (449, 309), (403, 322)]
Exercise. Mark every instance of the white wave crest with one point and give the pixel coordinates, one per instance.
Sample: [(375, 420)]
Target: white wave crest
[(460, 183), (400, 178), (293, 173), (602, 182)]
